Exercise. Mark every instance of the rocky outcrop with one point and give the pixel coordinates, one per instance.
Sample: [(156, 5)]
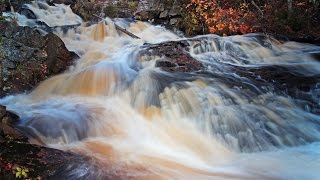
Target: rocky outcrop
[(111, 8), (27, 58), (173, 56), (167, 12)]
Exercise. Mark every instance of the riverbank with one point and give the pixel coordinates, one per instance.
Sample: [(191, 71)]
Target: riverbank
[(191, 18)]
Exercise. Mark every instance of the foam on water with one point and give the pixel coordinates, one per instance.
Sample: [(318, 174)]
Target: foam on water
[(141, 122)]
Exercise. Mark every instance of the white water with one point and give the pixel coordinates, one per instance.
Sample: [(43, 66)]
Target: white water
[(137, 121)]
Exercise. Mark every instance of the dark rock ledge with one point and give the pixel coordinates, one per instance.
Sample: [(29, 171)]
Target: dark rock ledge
[(27, 58)]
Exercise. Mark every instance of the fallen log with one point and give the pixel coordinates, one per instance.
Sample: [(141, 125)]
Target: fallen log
[(120, 28)]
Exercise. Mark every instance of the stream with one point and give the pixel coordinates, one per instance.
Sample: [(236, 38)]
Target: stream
[(250, 111)]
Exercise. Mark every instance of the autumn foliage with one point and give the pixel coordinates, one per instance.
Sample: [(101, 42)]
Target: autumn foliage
[(228, 17), (224, 16)]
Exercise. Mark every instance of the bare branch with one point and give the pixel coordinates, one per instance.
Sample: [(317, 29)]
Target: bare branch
[(120, 28)]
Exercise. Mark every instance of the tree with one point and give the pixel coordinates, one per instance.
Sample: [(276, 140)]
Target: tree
[(290, 10)]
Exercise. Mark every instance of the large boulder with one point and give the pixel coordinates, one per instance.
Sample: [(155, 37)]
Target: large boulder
[(173, 56), (27, 57)]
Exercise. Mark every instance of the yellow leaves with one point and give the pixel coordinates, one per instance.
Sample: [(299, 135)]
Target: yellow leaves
[(21, 172)]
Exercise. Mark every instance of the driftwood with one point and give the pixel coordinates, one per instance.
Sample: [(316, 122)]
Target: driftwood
[(126, 32), (256, 6), (120, 28)]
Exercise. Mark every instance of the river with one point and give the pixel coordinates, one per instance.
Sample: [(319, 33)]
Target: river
[(238, 117)]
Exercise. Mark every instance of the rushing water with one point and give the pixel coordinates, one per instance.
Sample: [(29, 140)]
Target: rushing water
[(138, 121)]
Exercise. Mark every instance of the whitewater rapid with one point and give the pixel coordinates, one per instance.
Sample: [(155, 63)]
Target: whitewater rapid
[(137, 121)]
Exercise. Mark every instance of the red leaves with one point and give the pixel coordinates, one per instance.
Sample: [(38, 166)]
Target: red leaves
[(229, 18), (5, 166)]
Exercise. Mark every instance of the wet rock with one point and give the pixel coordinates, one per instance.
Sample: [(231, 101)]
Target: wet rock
[(58, 57), (10, 118), (3, 111), (7, 120), (16, 4), (7, 117), (27, 12), (27, 58), (17, 151), (43, 162), (174, 57), (280, 76), (8, 131)]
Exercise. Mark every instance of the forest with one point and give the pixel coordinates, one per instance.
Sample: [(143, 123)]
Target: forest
[(297, 19)]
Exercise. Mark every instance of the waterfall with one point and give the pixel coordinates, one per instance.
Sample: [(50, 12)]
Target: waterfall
[(232, 119)]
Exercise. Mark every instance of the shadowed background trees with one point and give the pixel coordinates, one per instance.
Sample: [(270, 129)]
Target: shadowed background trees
[(297, 18)]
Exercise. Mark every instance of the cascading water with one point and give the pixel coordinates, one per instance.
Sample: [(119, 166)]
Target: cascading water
[(230, 120)]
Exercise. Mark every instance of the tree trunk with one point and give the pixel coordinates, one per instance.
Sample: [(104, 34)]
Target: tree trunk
[(290, 10)]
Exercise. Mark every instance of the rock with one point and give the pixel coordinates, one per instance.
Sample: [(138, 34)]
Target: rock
[(113, 9), (9, 65), (2, 7), (3, 111), (10, 118), (6, 130), (7, 120), (175, 58), (176, 10), (27, 12), (58, 57), (174, 21), (281, 77), (27, 58), (164, 14), (17, 151), (167, 13), (43, 162), (7, 117), (16, 4), (146, 15), (66, 2)]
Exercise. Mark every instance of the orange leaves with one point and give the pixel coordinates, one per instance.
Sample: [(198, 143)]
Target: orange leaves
[(239, 17), (212, 29), (220, 27), (227, 18)]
